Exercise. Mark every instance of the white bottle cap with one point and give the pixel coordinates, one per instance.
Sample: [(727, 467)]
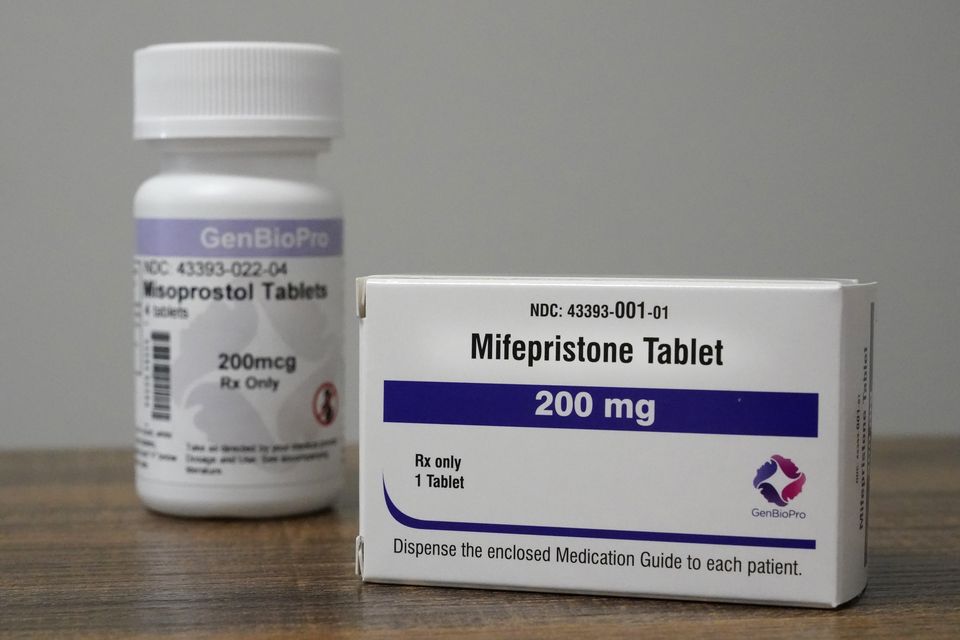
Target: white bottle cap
[(236, 90)]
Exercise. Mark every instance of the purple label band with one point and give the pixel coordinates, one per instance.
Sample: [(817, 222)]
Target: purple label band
[(601, 534), (237, 238), (735, 413)]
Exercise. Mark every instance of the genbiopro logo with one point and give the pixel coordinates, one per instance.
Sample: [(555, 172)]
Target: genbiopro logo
[(779, 480)]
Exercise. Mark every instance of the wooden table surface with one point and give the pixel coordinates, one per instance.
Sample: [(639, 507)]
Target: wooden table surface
[(79, 556)]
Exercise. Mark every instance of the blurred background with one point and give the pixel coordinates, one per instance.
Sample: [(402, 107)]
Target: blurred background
[(738, 138)]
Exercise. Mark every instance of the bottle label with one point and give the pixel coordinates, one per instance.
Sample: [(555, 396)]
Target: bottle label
[(238, 359)]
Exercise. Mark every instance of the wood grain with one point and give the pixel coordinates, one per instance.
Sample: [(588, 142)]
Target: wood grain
[(80, 557)]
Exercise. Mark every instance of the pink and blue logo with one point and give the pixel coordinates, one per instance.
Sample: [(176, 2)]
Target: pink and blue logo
[(779, 480)]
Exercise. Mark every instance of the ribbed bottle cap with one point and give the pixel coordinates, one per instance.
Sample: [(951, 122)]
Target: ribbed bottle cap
[(236, 90)]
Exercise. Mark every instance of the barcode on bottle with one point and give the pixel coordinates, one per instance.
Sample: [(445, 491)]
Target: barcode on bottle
[(160, 352)]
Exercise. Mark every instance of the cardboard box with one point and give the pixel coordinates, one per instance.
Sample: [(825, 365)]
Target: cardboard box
[(671, 438)]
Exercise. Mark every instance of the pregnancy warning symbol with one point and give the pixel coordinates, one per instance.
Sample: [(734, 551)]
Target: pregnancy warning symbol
[(326, 404)]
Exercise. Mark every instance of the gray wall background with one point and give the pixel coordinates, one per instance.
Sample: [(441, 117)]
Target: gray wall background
[(682, 138)]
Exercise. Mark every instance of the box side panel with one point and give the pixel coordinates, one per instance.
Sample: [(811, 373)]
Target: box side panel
[(856, 417)]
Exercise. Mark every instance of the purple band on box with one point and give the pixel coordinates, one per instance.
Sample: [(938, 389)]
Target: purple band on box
[(736, 413), (239, 238)]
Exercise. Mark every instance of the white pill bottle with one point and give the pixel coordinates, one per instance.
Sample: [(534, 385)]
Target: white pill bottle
[(238, 280)]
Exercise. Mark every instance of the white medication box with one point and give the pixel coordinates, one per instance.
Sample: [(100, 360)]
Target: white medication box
[(671, 438)]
